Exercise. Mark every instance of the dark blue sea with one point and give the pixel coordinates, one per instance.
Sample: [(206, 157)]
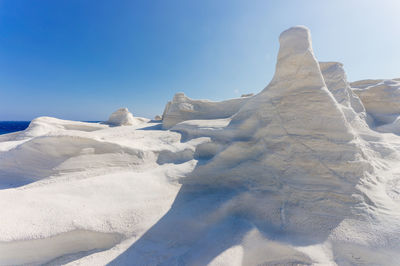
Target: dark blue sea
[(12, 126)]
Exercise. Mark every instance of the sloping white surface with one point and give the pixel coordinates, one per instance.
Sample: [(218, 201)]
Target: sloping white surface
[(107, 181)]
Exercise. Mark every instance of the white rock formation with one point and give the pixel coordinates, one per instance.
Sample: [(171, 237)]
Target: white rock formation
[(122, 117), (182, 108), (351, 105), (336, 82), (296, 143), (381, 98)]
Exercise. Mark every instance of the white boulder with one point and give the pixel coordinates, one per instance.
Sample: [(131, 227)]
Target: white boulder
[(121, 117)]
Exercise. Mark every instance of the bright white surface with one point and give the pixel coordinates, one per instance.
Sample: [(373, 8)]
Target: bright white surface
[(122, 117)]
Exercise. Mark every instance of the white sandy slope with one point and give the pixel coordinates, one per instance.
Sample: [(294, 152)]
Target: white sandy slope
[(111, 183), (294, 176)]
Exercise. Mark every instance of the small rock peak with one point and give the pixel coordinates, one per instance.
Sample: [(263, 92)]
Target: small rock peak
[(121, 117), (295, 39), (296, 91), (299, 29), (179, 97), (123, 110), (336, 82), (331, 65), (333, 70), (296, 62)]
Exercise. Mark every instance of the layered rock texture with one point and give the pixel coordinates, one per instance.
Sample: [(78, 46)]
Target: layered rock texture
[(182, 108), (381, 98), (293, 142), (336, 81)]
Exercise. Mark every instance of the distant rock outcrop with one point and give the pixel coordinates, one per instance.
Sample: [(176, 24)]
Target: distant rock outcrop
[(121, 117), (182, 108), (381, 98)]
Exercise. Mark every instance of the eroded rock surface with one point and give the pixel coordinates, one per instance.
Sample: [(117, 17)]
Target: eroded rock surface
[(381, 98), (182, 108)]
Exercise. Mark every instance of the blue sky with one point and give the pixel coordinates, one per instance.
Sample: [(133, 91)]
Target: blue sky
[(82, 60)]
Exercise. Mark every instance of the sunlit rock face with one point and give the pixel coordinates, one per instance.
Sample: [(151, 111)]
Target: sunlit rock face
[(182, 108), (298, 91), (381, 98), (121, 117), (350, 104), (294, 147), (336, 82)]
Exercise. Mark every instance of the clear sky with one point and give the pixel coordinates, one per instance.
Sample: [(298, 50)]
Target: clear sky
[(82, 59)]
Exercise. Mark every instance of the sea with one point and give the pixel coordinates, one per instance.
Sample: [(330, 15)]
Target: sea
[(12, 126)]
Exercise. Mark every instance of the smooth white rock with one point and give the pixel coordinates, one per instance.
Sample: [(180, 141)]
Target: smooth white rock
[(182, 108), (122, 117)]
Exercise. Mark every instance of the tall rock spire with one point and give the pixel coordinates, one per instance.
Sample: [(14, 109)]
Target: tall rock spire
[(293, 140), (297, 99)]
